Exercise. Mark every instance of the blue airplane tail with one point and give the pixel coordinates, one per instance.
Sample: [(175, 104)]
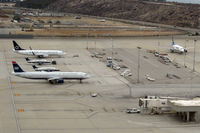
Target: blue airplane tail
[(173, 43), (16, 67)]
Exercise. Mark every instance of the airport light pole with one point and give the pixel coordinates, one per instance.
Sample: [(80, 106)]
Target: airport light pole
[(87, 39), (112, 47), (159, 39), (95, 43), (186, 41), (138, 71), (194, 55), (88, 35)]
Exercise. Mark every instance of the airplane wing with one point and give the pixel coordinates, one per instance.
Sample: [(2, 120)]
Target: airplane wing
[(40, 55)]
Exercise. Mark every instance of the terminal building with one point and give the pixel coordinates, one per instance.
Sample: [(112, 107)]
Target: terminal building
[(187, 109)]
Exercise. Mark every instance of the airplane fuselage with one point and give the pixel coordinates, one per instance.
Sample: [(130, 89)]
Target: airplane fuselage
[(44, 53), (49, 75), (46, 69), (38, 61), (178, 49), (52, 77)]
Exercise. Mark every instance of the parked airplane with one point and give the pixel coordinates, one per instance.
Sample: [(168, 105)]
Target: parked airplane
[(37, 53), (40, 62), (52, 77), (177, 48), (47, 69)]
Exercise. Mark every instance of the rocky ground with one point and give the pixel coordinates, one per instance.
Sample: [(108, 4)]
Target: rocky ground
[(184, 15)]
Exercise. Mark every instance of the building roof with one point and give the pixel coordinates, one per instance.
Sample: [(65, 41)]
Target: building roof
[(193, 102)]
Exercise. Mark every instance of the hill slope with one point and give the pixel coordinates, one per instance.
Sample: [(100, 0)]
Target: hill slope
[(184, 15), (38, 4)]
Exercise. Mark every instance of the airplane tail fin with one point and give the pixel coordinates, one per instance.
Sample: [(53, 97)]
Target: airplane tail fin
[(27, 59), (34, 66), (173, 41), (16, 46), (16, 67)]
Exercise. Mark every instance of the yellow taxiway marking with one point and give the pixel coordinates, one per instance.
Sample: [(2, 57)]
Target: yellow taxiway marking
[(13, 82), (20, 110), (16, 94)]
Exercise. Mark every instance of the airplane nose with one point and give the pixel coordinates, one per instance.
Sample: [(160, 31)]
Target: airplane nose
[(87, 75)]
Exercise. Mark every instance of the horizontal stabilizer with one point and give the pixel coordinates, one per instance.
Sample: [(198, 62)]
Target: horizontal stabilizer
[(34, 66)]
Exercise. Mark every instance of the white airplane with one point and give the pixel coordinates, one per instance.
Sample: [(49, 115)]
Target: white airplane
[(37, 53), (47, 69), (52, 77), (39, 62), (177, 48)]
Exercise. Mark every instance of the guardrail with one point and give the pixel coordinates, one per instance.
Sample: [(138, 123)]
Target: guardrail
[(16, 36)]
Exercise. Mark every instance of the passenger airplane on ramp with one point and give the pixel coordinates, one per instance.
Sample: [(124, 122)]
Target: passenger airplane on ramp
[(39, 62), (47, 69), (37, 53), (177, 48), (52, 77)]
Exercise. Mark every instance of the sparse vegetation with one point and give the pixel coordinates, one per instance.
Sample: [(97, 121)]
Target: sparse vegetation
[(98, 33), (3, 16), (184, 15), (57, 22), (49, 22), (41, 21), (38, 4)]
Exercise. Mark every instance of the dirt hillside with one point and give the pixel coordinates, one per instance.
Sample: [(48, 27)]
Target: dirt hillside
[(184, 15)]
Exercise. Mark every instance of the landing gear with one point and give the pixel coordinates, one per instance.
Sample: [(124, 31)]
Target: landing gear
[(53, 62), (60, 81), (80, 80), (40, 56), (185, 50), (51, 82)]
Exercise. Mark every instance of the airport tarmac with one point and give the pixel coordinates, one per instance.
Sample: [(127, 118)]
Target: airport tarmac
[(35, 106)]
